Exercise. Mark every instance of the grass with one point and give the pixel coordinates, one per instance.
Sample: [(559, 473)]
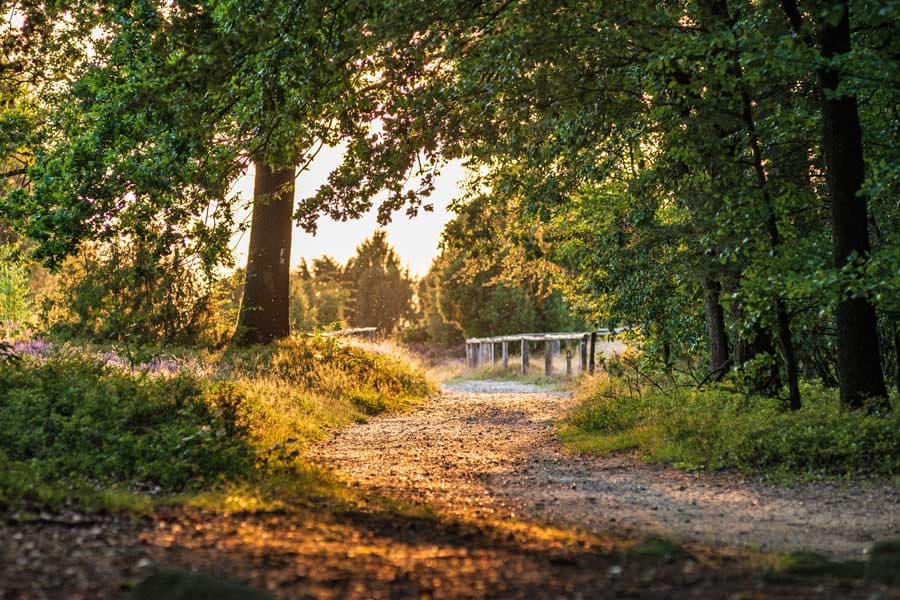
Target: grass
[(719, 427), (498, 373), (232, 432)]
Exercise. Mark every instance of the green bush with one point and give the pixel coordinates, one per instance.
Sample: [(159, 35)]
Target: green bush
[(74, 418), (719, 428), (74, 421)]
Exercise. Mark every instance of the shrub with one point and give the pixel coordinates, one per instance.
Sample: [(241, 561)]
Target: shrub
[(719, 428), (69, 418), (74, 418)]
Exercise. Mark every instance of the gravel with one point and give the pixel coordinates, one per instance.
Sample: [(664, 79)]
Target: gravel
[(488, 448)]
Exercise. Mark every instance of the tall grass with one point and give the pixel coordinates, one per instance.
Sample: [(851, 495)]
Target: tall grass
[(719, 427), (75, 425)]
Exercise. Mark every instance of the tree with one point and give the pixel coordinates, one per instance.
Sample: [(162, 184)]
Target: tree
[(483, 282), (713, 104), (174, 102), (381, 290), (859, 354)]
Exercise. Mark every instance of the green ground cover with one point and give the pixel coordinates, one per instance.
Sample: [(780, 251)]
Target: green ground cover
[(76, 428), (719, 427)]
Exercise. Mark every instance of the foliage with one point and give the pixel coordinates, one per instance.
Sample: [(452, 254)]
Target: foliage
[(381, 290), (74, 422), (485, 284), (656, 150), (664, 162), (371, 290), (719, 427), (16, 302), (162, 107), (129, 292)]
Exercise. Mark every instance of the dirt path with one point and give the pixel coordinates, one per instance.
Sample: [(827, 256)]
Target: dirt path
[(489, 449)]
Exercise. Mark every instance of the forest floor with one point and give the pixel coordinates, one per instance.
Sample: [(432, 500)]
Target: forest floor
[(471, 495)]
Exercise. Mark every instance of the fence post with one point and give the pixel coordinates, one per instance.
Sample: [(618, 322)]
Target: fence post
[(548, 357), (593, 352), (525, 356), (582, 347), (491, 353), (504, 351), (568, 363)]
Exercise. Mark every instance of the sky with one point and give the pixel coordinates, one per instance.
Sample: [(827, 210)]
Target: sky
[(415, 239)]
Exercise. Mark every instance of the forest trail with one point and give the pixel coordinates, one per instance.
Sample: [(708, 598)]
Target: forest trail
[(489, 449)]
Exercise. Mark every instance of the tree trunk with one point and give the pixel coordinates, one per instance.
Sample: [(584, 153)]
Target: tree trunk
[(744, 350), (264, 310), (896, 336), (859, 355), (715, 326)]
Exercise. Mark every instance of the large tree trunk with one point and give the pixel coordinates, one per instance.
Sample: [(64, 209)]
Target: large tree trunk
[(264, 310), (859, 354), (715, 327), (896, 336)]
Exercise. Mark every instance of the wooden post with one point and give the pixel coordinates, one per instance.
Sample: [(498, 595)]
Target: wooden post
[(592, 353), (468, 355), (504, 351), (582, 351), (525, 356), (491, 353), (548, 357), (568, 363)]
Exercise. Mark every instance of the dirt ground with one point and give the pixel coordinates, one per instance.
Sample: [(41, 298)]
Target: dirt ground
[(468, 496), (490, 447)]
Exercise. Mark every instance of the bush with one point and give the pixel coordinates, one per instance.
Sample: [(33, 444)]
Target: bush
[(718, 428), (76, 421), (74, 418)]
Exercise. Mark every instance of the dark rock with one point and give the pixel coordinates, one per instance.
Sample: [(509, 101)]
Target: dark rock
[(174, 584)]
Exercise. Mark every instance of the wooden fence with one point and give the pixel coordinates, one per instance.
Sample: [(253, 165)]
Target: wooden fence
[(480, 352), (366, 332)]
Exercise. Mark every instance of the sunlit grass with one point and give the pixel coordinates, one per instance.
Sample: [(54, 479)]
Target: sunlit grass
[(232, 433)]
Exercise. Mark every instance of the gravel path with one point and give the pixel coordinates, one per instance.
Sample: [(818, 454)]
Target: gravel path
[(488, 449)]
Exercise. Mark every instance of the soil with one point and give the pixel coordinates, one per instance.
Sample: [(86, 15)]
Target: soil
[(490, 447)]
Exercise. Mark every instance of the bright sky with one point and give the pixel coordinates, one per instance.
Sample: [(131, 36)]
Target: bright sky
[(415, 240)]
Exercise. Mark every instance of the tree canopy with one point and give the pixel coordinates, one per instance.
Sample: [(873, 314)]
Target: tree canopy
[(720, 174)]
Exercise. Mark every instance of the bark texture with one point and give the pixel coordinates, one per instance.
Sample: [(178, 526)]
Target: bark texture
[(264, 310), (859, 353), (715, 326)]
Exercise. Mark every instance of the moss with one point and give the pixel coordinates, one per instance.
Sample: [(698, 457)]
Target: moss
[(185, 585), (884, 562), (660, 549), (812, 564)]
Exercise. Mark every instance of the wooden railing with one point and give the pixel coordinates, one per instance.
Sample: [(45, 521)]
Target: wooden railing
[(367, 332), (480, 351)]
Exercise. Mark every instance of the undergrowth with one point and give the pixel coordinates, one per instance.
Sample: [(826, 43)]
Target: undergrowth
[(74, 428), (718, 427)]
